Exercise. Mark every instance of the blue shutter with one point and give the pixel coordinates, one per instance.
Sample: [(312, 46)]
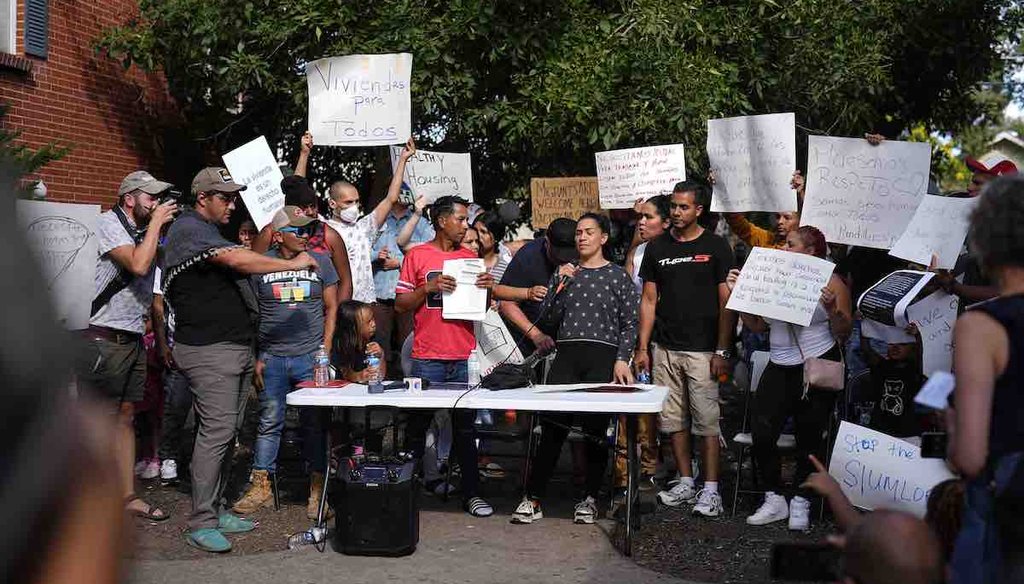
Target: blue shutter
[(37, 27)]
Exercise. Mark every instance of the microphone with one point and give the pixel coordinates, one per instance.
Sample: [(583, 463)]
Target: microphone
[(563, 281)]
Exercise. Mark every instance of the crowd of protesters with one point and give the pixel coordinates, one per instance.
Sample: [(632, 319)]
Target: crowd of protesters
[(222, 316)]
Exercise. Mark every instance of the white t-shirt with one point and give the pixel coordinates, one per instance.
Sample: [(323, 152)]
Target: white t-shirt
[(359, 238)]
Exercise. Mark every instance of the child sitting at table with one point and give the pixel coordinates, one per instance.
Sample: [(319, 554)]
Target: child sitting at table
[(353, 341)]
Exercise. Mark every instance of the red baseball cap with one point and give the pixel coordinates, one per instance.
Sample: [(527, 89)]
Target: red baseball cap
[(994, 164)]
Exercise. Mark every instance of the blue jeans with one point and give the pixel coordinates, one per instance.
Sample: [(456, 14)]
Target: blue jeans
[(464, 433), (280, 376)]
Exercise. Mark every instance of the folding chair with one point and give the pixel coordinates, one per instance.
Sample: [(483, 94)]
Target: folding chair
[(745, 439)]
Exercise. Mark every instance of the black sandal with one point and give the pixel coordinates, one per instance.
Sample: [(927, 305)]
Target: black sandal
[(152, 513)]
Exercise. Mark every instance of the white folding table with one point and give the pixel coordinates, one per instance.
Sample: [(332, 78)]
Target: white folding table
[(539, 398)]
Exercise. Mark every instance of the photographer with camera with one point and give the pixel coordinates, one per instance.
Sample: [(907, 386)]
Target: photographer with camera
[(114, 363)]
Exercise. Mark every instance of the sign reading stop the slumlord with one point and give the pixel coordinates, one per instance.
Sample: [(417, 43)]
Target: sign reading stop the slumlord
[(360, 100)]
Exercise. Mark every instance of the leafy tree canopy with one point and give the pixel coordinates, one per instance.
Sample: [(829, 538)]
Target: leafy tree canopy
[(535, 87)]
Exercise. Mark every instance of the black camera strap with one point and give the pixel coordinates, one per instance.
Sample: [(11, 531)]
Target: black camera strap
[(123, 278)]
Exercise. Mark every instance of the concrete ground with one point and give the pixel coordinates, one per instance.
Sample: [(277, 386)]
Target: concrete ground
[(454, 548)]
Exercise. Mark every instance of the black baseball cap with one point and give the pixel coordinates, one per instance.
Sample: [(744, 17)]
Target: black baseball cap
[(561, 236)]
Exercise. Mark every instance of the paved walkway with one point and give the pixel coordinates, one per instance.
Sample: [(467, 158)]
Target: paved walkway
[(454, 548)]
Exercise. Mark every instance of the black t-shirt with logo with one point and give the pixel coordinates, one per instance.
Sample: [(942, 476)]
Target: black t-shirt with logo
[(687, 274), (896, 385)]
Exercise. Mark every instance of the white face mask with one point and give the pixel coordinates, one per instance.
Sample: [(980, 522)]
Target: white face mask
[(348, 214)]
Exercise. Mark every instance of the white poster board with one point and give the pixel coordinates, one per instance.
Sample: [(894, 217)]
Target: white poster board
[(360, 100), (254, 166), (782, 285), (437, 174), (939, 226), (64, 240), (494, 344), (623, 176), (877, 471), (753, 158), (935, 317), (861, 194)]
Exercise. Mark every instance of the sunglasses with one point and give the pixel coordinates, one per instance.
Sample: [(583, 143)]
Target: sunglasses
[(228, 198), (304, 231)]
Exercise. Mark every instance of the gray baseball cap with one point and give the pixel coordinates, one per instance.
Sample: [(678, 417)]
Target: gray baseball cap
[(140, 180), (215, 179)]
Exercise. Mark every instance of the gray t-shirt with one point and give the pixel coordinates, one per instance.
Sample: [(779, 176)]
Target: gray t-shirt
[(125, 309), (292, 307)]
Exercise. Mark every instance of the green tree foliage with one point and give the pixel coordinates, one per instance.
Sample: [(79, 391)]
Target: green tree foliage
[(535, 87)]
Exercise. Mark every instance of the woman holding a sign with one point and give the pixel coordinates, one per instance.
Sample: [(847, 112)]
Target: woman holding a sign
[(783, 391)]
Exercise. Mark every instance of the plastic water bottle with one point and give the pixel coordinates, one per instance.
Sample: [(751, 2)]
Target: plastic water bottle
[(373, 381), (643, 377), (473, 368), (311, 536), (321, 367)]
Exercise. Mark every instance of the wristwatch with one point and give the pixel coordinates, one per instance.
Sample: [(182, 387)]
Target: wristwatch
[(723, 353)]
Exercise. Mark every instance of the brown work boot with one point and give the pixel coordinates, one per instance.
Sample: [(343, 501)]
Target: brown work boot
[(316, 488), (259, 494)]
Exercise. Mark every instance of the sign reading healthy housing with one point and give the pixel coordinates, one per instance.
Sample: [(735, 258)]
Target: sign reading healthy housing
[(437, 174), (859, 194), (360, 100)]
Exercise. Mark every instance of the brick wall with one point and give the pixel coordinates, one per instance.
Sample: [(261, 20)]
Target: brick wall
[(81, 99)]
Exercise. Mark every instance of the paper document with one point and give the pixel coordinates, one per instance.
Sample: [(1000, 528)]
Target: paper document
[(467, 302), (935, 392)]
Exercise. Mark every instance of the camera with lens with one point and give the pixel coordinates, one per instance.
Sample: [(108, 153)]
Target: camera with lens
[(170, 196)]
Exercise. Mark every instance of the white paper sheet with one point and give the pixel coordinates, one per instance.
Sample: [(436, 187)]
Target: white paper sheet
[(623, 176), (935, 392), (753, 158), (437, 174), (467, 302), (861, 194), (254, 166), (65, 243), (360, 100), (935, 317), (781, 285), (877, 471), (939, 227)]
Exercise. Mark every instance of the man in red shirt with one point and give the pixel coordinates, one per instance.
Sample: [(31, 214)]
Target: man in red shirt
[(441, 347)]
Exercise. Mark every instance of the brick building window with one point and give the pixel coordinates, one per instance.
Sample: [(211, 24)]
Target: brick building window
[(8, 26)]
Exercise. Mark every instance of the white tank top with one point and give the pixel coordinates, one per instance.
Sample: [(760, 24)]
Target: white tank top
[(815, 339), (638, 258)]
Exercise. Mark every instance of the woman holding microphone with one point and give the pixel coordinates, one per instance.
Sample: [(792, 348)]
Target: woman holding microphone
[(595, 305)]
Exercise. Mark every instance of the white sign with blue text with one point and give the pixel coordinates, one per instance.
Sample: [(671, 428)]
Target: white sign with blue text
[(877, 471), (360, 100)]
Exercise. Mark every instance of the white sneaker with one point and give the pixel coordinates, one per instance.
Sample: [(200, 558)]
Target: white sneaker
[(169, 470), (586, 511), (527, 512), (681, 492), (151, 470), (799, 514), (773, 509), (709, 504)]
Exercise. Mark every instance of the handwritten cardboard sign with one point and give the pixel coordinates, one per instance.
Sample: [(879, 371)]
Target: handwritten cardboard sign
[(360, 100), (877, 471), (939, 226), (935, 317), (63, 238), (254, 166), (551, 198), (753, 158), (437, 174), (861, 194), (781, 285), (623, 176)]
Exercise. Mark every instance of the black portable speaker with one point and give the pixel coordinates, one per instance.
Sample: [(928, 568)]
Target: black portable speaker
[(377, 510)]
